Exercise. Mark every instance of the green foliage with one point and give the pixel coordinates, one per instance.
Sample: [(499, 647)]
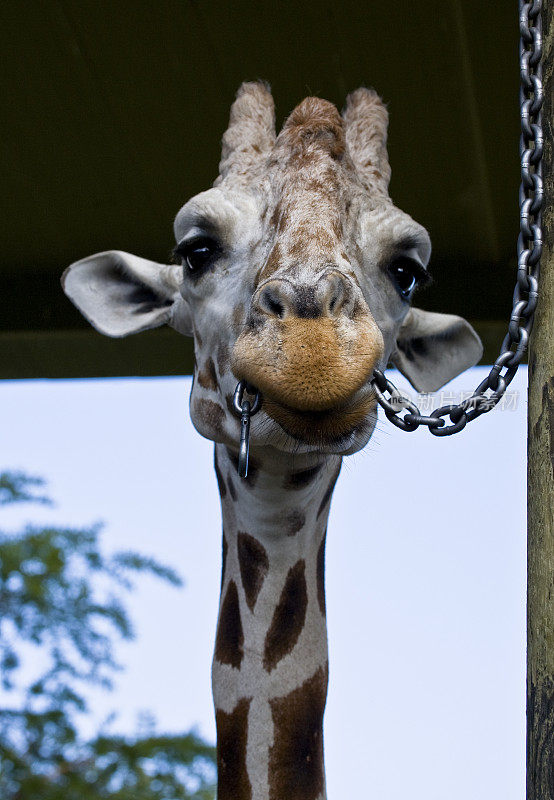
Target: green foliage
[(15, 488), (61, 608)]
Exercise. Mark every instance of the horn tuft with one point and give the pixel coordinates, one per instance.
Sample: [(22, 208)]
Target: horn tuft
[(366, 120), (251, 131)]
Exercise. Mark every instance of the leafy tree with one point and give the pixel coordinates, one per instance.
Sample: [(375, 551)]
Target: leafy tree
[(61, 597)]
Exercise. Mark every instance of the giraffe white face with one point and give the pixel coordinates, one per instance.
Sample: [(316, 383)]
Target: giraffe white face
[(308, 335), (295, 273)]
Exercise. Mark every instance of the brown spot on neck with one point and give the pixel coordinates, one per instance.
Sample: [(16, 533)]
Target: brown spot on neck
[(229, 643), (212, 414), (294, 521), (296, 770), (253, 564), (233, 782), (207, 377), (288, 617)]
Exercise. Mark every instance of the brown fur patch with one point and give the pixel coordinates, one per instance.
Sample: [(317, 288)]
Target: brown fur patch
[(229, 641), (207, 377), (314, 234), (288, 617), (314, 124), (254, 565), (220, 482), (297, 480), (212, 414), (320, 575), (328, 493), (296, 757), (233, 782), (222, 357), (294, 521)]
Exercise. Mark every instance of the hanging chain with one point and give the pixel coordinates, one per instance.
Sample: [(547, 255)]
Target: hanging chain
[(529, 248)]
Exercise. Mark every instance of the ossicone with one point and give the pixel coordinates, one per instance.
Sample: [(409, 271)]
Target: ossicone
[(366, 121), (251, 132)]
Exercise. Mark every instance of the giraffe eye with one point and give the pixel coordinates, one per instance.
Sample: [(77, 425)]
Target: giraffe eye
[(406, 274), (196, 254)]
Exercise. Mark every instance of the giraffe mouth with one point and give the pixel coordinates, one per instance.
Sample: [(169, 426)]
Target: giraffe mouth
[(331, 427)]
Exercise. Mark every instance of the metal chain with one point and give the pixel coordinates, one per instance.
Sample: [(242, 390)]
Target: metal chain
[(529, 249)]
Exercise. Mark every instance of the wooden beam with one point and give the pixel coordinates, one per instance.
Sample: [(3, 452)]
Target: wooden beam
[(540, 558), (88, 354)]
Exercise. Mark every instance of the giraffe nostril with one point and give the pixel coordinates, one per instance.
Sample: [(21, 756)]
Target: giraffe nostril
[(333, 293), (329, 296), (271, 303)]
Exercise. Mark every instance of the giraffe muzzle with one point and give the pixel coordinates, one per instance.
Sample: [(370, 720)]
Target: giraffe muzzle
[(311, 352)]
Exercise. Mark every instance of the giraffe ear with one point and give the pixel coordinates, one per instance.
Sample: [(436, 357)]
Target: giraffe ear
[(431, 349), (121, 294)]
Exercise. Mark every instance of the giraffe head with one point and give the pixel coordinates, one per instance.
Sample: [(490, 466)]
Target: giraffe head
[(294, 272)]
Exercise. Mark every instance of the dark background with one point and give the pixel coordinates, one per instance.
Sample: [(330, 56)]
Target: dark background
[(113, 114)]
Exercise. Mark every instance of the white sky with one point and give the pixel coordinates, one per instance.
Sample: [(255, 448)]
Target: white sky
[(425, 577)]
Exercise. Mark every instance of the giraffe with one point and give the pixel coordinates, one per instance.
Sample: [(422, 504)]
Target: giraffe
[(294, 272)]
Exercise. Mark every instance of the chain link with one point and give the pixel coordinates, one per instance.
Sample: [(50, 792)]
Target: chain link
[(529, 249)]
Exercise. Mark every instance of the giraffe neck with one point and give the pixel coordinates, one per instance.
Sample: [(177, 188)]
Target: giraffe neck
[(269, 675)]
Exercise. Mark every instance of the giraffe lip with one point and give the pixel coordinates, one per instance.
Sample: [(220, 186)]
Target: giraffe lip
[(323, 427)]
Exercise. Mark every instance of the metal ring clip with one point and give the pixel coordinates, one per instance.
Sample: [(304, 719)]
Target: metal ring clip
[(245, 411)]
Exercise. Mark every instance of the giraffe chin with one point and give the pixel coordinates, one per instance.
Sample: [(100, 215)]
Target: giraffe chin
[(343, 429)]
